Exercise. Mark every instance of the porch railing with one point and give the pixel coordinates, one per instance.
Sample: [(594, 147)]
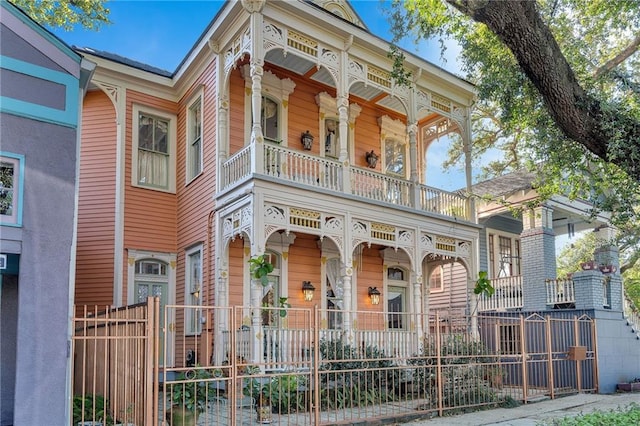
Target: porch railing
[(299, 167), (560, 291), (507, 295)]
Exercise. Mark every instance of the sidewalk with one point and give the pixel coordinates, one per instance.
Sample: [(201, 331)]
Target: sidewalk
[(533, 413)]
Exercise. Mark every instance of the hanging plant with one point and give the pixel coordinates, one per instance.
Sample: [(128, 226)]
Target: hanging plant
[(260, 268), (284, 305), (483, 285)]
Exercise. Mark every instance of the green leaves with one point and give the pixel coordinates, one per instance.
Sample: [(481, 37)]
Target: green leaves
[(483, 285), (91, 14), (260, 268)]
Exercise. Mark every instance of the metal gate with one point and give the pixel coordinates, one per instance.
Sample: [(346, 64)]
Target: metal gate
[(115, 365)]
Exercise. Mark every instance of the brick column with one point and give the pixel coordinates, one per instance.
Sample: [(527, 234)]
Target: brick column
[(538, 251)]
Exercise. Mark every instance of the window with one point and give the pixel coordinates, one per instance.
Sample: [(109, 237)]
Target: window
[(269, 116), (273, 108), (509, 339), (334, 294), (394, 157), (193, 290), (194, 139), (331, 145), (11, 179), (271, 293), (396, 298), (154, 149), (504, 255), (435, 280)]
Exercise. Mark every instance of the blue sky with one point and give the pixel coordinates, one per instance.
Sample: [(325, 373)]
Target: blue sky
[(161, 33)]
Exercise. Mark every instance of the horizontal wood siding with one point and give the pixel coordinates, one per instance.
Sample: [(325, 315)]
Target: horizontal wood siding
[(304, 115), (371, 275), (150, 216), (455, 288), (236, 271), (367, 135), (96, 208), (195, 198), (304, 265), (236, 113)]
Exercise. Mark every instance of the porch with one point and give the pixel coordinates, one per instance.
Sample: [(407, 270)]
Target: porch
[(560, 293), (294, 167)]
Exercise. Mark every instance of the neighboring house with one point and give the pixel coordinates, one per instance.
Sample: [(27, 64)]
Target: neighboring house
[(43, 81), (281, 132), (518, 250)]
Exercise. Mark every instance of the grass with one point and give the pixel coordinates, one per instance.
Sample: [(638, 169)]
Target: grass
[(628, 416)]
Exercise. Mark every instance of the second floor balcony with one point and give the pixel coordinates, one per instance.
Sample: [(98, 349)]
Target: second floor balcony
[(293, 167)]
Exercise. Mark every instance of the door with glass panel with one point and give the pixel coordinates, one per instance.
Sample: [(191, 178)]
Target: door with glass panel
[(152, 280)]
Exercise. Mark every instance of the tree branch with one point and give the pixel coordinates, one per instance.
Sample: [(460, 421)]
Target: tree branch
[(619, 58)]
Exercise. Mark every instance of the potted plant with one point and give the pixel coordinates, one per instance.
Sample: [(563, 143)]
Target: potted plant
[(588, 266), (189, 398), (632, 385)]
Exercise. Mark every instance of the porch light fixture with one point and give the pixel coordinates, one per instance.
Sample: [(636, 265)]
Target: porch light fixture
[(372, 159), (374, 295), (307, 140), (307, 290)]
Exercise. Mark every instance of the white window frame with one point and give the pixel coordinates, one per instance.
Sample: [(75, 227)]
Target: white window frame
[(192, 139), (494, 267), (17, 161), (328, 110), (193, 291), (396, 131), (172, 135), (440, 288), (406, 293), (272, 87)]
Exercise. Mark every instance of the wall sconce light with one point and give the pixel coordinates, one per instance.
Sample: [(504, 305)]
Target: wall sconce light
[(307, 290), (372, 159), (307, 140), (374, 295)]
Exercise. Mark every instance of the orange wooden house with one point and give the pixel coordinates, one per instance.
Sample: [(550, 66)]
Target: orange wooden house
[(281, 132)]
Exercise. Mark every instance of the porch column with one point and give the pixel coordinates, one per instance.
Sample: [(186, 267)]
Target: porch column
[(254, 7), (346, 272), (412, 130), (538, 252), (256, 322), (223, 138), (417, 309), (221, 316), (343, 116)]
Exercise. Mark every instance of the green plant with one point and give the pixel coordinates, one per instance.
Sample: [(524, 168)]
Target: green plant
[(194, 391), (91, 408), (260, 268), (483, 285)]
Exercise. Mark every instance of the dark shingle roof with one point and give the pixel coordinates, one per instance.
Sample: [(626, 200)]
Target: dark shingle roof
[(125, 61), (504, 185)]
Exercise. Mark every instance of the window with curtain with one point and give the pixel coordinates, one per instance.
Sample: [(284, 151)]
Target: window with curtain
[(194, 139), (153, 151), (435, 280), (335, 294), (396, 298)]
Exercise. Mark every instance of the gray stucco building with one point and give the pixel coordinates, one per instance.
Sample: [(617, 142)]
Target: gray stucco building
[(42, 81)]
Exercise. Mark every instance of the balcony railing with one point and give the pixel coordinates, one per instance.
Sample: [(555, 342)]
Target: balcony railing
[(299, 167), (560, 291), (508, 295)]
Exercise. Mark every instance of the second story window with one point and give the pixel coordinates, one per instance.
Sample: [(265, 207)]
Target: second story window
[(394, 157), (269, 119), (153, 163), (194, 139), (10, 189)]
